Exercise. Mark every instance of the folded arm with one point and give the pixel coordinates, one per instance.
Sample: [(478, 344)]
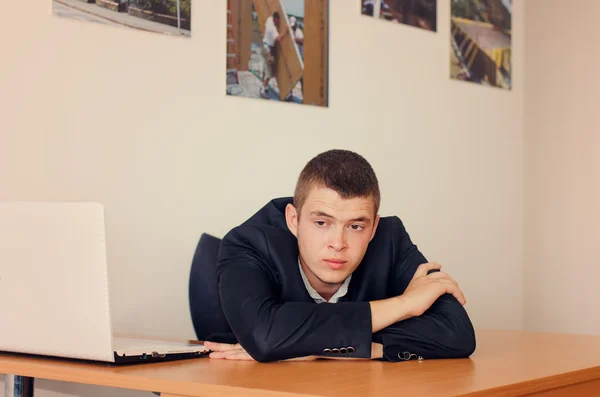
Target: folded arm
[(270, 329), (444, 330)]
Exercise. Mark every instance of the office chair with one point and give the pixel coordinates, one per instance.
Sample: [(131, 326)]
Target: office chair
[(204, 300)]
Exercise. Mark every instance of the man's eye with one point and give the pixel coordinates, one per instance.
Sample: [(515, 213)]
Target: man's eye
[(356, 227), (320, 223)]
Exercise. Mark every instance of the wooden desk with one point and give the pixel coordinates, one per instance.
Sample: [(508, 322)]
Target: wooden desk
[(506, 363)]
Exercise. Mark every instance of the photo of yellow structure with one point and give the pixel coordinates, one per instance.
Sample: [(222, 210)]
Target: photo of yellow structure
[(481, 42)]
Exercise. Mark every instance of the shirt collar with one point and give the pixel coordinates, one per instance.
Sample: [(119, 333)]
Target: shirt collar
[(342, 291)]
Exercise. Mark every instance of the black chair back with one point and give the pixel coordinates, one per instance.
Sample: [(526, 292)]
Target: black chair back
[(205, 303)]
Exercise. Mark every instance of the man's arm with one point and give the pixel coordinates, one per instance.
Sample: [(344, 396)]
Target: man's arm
[(281, 35), (235, 351), (269, 329), (443, 330)]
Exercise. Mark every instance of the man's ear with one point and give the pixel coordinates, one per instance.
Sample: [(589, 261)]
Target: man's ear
[(291, 218), (375, 224)]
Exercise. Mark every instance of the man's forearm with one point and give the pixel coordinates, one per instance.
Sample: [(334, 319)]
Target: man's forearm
[(444, 331), (386, 312)]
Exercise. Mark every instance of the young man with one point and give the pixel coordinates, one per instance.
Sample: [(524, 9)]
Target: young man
[(323, 276), (298, 35), (270, 38)]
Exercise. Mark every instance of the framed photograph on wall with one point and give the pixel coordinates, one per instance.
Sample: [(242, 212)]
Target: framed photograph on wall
[(418, 13), (481, 42), (171, 17), (278, 50)]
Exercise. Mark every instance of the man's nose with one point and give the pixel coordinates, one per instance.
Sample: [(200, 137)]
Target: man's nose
[(338, 239)]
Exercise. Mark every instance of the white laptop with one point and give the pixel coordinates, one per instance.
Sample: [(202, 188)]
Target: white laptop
[(54, 297)]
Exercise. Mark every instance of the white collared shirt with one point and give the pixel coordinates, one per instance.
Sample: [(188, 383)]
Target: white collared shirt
[(315, 295), (271, 32)]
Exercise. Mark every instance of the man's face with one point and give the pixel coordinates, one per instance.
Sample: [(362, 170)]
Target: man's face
[(333, 235), (276, 21)]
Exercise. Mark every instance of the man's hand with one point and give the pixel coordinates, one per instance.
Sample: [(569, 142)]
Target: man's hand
[(228, 351), (424, 289), (281, 35)]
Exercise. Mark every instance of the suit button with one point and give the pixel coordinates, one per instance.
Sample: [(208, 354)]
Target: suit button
[(343, 350), (335, 350), (326, 350), (351, 349)]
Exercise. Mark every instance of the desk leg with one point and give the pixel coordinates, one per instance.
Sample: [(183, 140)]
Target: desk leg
[(18, 386)]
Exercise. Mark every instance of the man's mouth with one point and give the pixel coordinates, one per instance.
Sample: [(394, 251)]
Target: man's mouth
[(335, 264)]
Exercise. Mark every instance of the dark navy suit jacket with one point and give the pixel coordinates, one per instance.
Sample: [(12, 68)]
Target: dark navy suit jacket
[(273, 317)]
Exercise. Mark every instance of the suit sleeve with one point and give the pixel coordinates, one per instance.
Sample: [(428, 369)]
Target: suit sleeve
[(443, 331), (270, 329)]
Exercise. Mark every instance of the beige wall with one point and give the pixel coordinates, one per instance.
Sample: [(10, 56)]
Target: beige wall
[(140, 123), (562, 166)]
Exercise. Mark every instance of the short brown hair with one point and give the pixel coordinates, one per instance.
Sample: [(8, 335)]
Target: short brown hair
[(346, 172)]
